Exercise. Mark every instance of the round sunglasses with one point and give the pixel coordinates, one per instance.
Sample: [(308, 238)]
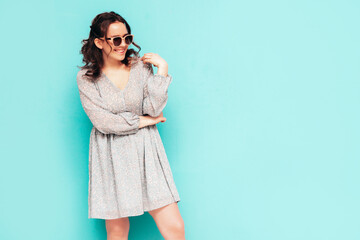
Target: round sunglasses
[(118, 40)]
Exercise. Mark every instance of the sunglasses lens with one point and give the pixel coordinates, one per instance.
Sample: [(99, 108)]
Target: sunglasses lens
[(128, 39), (117, 41)]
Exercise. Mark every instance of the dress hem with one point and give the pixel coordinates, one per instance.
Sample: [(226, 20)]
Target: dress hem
[(137, 213)]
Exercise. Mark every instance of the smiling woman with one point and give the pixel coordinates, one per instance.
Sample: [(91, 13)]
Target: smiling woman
[(114, 47), (129, 172)]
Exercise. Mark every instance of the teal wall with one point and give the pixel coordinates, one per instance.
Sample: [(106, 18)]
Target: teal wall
[(262, 129)]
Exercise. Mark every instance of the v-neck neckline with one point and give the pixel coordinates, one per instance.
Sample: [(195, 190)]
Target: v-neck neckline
[(114, 86)]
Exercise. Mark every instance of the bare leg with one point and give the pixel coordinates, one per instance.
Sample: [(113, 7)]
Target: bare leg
[(169, 222), (117, 229)]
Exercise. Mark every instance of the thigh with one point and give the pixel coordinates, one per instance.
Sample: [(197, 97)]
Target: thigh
[(167, 217)]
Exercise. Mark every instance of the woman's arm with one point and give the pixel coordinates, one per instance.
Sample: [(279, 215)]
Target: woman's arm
[(148, 120), (155, 89), (100, 114)]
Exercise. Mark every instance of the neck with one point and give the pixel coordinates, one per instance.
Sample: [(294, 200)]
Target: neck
[(113, 64)]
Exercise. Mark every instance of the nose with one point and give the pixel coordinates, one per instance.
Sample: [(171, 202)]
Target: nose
[(123, 44)]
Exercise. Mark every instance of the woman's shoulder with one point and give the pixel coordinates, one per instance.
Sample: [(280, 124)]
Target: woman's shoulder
[(85, 81), (86, 74), (81, 74), (139, 65), (82, 79)]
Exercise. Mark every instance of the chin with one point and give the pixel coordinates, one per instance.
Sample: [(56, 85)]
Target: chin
[(120, 56)]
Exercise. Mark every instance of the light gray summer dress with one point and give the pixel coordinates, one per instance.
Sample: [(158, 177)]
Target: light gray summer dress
[(129, 172)]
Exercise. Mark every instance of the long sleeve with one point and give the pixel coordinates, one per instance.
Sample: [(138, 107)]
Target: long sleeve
[(155, 91), (100, 114)]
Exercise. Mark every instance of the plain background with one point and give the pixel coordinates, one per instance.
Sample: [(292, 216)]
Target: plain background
[(262, 129)]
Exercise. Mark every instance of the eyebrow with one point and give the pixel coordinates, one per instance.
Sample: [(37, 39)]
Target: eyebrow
[(119, 35)]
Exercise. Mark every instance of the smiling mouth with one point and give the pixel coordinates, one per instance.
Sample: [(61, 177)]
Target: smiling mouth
[(121, 51)]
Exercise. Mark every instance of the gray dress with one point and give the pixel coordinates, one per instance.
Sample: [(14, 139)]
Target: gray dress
[(129, 172)]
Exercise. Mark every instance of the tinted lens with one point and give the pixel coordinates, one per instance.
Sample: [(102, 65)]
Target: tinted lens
[(117, 41), (128, 39)]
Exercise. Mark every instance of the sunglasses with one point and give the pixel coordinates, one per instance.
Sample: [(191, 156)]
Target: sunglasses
[(118, 40)]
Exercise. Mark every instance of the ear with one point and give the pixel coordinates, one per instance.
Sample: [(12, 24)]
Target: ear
[(98, 43)]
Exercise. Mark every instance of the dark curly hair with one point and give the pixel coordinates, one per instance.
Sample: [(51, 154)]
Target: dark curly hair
[(92, 55)]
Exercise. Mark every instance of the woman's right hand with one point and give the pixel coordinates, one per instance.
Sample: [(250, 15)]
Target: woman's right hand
[(148, 120)]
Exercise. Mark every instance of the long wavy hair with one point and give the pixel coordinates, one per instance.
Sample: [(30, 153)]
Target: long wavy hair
[(92, 55)]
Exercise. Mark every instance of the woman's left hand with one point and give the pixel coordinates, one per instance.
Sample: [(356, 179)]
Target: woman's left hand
[(154, 59)]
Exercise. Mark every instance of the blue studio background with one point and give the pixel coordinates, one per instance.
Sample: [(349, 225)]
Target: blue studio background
[(262, 129)]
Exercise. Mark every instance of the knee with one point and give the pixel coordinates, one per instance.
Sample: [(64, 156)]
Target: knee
[(180, 226), (176, 230), (118, 229)]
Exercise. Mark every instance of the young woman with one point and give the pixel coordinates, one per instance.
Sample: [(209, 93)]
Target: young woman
[(129, 172)]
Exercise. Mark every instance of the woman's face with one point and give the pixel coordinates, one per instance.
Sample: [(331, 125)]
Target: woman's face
[(117, 53)]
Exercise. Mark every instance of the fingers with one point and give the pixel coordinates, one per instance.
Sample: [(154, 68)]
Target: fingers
[(152, 58), (149, 55), (146, 57)]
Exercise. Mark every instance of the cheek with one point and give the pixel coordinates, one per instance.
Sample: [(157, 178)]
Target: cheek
[(107, 49)]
